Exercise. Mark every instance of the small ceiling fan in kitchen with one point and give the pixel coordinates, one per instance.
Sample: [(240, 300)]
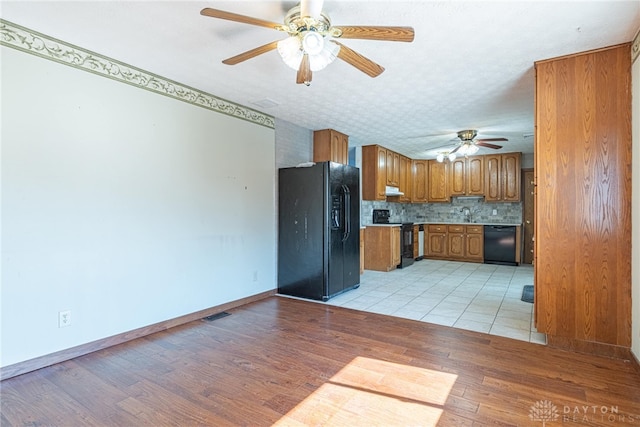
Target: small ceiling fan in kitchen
[(311, 42), (468, 145)]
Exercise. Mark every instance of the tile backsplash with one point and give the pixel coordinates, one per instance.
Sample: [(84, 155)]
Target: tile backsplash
[(481, 211)]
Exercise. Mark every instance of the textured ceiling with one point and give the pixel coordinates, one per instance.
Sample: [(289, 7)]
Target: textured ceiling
[(469, 67)]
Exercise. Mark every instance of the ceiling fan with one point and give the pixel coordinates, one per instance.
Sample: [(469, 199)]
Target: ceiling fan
[(468, 145), (310, 45)]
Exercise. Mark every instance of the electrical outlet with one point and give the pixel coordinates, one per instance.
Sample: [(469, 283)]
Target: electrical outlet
[(495, 212), (64, 318)]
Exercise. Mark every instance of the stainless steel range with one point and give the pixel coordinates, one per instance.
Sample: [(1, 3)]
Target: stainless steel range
[(381, 216)]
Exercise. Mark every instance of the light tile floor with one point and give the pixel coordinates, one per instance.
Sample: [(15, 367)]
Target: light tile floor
[(477, 297)]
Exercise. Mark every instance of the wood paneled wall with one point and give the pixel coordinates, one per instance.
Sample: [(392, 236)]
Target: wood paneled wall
[(583, 198)]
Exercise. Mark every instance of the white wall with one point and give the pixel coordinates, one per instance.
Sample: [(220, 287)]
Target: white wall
[(635, 207), (294, 144), (124, 206)]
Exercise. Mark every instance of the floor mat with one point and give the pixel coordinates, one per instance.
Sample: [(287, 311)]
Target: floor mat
[(527, 293)]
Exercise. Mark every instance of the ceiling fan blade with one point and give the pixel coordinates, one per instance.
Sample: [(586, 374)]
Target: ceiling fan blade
[(251, 53), (439, 147), (363, 64), (394, 34), (229, 16), (304, 72), (455, 149), (491, 139), (311, 8), (484, 144)]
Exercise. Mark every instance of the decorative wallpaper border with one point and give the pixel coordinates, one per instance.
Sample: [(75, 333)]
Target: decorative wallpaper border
[(635, 48), (23, 39)]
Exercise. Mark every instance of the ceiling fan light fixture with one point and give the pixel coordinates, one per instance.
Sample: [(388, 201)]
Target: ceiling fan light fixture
[(468, 148), (327, 55), (290, 50), (467, 135), (440, 157), (306, 49), (452, 157), (293, 48), (312, 42)]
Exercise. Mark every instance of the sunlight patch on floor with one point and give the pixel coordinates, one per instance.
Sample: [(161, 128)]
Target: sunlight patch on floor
[(375, 392)]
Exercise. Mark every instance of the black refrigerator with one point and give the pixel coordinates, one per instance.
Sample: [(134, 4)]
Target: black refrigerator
[(318, 230)]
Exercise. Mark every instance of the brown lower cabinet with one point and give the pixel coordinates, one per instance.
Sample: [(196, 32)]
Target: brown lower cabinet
[(361, 250), (475, 243), (436, 244), (455, 241), (383, 247)]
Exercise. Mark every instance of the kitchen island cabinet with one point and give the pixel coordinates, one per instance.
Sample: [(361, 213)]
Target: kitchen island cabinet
[(383, 247), (361, 250)]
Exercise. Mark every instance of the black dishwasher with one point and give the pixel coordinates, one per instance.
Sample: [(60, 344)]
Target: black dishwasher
[(500, 244)]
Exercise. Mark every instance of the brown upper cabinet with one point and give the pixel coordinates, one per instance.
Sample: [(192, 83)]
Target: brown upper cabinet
[(467, 176), (405, 181), (494, 176), (393, 168), (330, 145), (381, 168), (438, 181), (374, 172), (502, 177), (419, 187)]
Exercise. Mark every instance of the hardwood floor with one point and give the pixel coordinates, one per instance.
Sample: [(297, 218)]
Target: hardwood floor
[(288, 362)]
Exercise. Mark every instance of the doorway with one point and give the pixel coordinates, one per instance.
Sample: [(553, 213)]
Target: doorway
[(528, 214)]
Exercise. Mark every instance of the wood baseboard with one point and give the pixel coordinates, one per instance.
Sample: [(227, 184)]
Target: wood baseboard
[(73, 352), (635, 362), (590, 347)]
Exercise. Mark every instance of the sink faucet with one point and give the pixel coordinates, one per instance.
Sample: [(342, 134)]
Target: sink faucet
[(474, 213), (466, 212)]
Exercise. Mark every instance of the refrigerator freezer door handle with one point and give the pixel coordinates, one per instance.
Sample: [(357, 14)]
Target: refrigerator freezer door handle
[(347, 212)]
